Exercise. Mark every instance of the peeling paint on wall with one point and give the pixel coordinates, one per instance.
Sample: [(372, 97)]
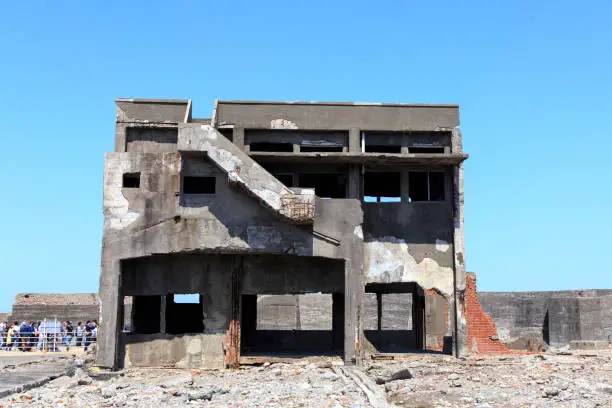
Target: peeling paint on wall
[(358, 231), (282, 124), (387, 259)]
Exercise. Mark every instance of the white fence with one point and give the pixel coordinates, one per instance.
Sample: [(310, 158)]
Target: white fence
[(47, 335)]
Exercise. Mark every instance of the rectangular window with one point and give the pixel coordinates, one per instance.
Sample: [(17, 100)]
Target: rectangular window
[(382, 149), (426, 186), (322, 149), (199, 185), (383, 187), (271, 147), (326, 185), (286, 179), (423, 149), (131, 180), (184, 313)]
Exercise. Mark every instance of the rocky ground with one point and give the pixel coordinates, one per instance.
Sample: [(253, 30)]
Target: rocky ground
[(543, 380), (427, 380)]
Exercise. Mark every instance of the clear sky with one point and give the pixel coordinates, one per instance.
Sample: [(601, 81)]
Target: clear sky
[(533, 80)]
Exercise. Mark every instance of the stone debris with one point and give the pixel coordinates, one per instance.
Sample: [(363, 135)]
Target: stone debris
[(270, 385), (519, 380), (419, 380), (402, 373)]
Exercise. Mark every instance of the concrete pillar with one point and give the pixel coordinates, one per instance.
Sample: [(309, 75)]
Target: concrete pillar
[(337, 321), (405, 143), (459, 319), (405, 186), (238, 137), (353, 298), (354, 181), (379, 307), (120, 137), (110, 314), (162, 314), (354, 140)]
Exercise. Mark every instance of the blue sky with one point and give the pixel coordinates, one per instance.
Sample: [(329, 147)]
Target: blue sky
[(532, 79)]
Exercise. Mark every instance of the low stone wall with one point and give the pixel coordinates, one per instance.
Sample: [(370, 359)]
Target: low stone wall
[(76, 307), (525, 319)]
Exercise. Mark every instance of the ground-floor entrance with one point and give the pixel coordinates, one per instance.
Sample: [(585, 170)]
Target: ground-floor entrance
[(228, 312)]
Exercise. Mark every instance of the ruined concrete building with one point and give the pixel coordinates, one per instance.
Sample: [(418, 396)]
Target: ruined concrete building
[(358, 204)]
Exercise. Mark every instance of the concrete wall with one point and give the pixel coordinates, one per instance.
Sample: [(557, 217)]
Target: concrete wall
[(409, 243), (270, 115), (183, 351), (554, 318), (151, 140), (38, 306)]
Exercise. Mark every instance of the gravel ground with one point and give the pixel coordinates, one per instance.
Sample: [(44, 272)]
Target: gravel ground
[(544, 380), (427, 380), (274, 385)]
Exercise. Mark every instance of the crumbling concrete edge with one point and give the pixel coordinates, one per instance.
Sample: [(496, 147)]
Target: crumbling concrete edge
[(34, 384), (375, 397)]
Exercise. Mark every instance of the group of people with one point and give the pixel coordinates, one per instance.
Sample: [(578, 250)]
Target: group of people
[(47, 335)]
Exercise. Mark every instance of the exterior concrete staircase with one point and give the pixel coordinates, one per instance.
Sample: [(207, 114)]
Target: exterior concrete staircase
[(294, 205)]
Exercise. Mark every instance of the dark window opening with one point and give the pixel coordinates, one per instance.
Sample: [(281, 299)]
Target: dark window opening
[(228, 133), (417, 186), (420, 149), (286, 179), (271, 147), (131, 180), (199, 185), (182, 318), (146, 314), (326, 185), (382, 149), (322, 149), (382, 187), (436, 186), (426, 186)]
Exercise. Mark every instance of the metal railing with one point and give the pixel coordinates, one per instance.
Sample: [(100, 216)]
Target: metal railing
[(47, 335)]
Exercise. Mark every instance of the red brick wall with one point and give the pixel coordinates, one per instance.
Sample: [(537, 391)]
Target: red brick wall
[(482, 333)]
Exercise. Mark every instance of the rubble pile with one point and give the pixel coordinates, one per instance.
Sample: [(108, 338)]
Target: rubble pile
[(270, 385), (530, 380), (569, 379)]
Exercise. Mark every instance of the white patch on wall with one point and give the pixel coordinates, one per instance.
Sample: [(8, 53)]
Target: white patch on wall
[(209, 133), (442, 245), (358, 231), (282, 124), (388, 260)]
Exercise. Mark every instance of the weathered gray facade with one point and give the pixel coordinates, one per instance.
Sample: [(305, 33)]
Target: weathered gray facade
[(359, 201)]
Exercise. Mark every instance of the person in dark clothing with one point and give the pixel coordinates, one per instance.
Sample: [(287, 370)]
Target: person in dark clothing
[(69, 332), (88, 330)]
